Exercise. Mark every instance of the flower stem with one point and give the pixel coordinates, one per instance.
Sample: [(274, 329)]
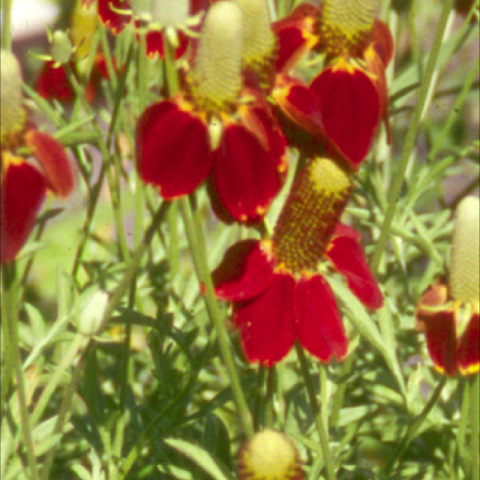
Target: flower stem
[(317, 412), (198, 252), (412, 134), (413, 428), (7, 24), (475, 425)]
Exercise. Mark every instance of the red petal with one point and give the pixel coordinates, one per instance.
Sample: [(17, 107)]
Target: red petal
[(172, 149), (245, 272), (383, 41), (295, 35), (350, 111), (112, 19), (318, 322), (23, 190), (52, 83), (267, 322), (440, 334), (246, 174), (468, 348), (54, 161), (349, 259), (342, 230), (155, 44)]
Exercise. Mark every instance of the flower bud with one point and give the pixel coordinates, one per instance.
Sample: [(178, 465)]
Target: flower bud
[(465, 258), (91, 309), (310, 215), (216, 75), (61, 49), (12, 116), (269, 455)]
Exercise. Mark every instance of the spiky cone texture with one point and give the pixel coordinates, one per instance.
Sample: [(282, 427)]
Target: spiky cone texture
[(278, 293), (448, 311), (216, 75), (269, 455), (346, 26)]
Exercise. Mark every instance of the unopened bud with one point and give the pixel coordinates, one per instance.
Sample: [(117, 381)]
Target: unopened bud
[(269, 455), (61, 49), (12, 115), (465, 258), (216, 76)]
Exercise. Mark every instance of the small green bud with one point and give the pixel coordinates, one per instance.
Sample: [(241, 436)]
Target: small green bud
[(61, 48)]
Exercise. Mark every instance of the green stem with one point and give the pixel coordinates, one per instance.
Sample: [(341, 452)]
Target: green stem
[(413, 428), (198, 252), (475, 425), (7, 24), (412, 134), (317, 412), (10, 298)]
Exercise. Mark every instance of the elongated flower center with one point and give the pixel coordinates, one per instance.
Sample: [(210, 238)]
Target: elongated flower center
[(464, 263), (258, 39), (216, 75), (12, 117), (310, 214), (346, 25)]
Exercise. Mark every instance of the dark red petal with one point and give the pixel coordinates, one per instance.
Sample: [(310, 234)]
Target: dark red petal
[(383, 41), (23, 190), (468, 354), (440, 333), (52, 83), (154, 40), (246, 271), (299, 104), (55, 164), (349, 259), (295, 35), (267, 322), (318, 324), (246, 174), (113, 19), (172, 149), (350, 110), (342, 230)]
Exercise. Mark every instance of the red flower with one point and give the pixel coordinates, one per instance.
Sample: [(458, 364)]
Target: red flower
[(277, 293), (215, 130), (114, 14), (343, 105), (448, 312), (23, 186)]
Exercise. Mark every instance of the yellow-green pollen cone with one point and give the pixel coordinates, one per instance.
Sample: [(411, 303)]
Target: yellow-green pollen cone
[(346, 25), (216, 76), (12, 116), (310, 214), (258, 39), (465, 258), (269, 455)]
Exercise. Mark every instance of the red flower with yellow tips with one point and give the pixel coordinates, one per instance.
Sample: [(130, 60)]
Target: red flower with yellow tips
[(343, 105), (24, 185), (448, 311), (278, 293), (215, 129)]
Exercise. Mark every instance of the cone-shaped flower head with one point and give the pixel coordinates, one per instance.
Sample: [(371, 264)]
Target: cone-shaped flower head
[(165, 13), (464, 262), (216, 75), (346, 25), (269, 455), (12, 115), (258, 39), (310, 215)]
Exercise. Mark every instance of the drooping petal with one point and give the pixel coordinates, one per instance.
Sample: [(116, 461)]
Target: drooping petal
[(383, 41), (349, 259), (110, 14), (318, 322), (23, 191), (266, 322), (296, 35), (246, 271), (342, 230), (172, 149), (246, 174), (350, 110), (54, 161), (52, 83), (155, 44), (468, 354)]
